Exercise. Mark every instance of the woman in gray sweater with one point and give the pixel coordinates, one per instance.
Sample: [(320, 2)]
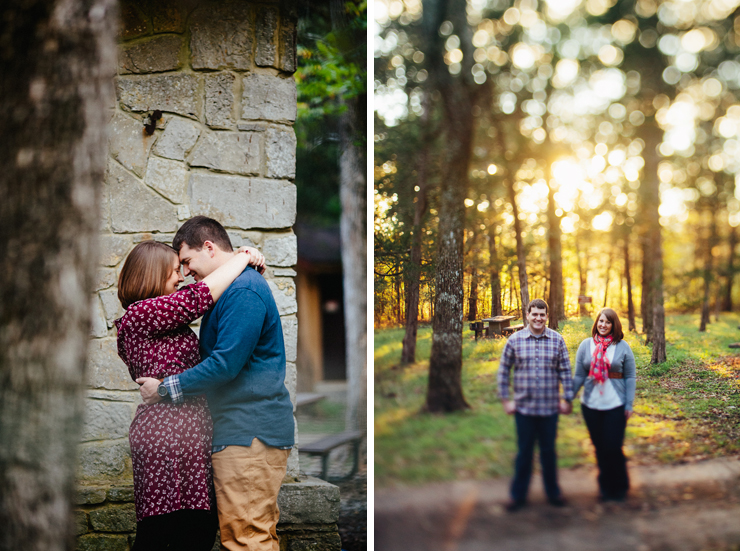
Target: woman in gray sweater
[(605, 367)]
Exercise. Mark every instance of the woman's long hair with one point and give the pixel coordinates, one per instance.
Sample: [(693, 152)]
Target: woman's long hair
[(145, 272), (611, 315)]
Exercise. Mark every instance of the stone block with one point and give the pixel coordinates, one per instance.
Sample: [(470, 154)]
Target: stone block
[(89, 495), (106, 278), (280, 249), (293, 468), (220, 98), (268, 97), (283, 290), (134, 208), (131, 397), (243, 203), (132, 21), (284, 272), (155, 55), (170, 93), (113, 248), (105, 420), (183, 212), (178, 139), (98, 325), (280, 147), (221, 36), (267, 22), (169, 178), (288, 43), (128, 143), (81, 526), (114, 518), (252, 126), (102, 542), (121, 494), (237, 152), (168, 16), (291, 380), (111, 305), (105, 369), (100, 461), (309, 501), (290, 336), (104, 206), (316, 541)]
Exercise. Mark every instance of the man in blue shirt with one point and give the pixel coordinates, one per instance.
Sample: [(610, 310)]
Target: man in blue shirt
[(540, 361), (242, 373)]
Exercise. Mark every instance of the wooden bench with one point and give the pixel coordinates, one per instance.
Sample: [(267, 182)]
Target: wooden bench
[(508, 331), (325, 445), (477, 326), (734, 345)]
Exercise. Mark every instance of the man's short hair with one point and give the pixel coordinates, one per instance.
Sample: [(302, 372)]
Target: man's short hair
[(200, 229), (536, 303)]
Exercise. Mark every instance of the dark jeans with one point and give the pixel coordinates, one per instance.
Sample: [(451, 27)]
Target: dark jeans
[(186, 530), (607, 434), (543, 429)]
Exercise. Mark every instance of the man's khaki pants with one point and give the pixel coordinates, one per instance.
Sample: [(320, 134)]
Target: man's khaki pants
[(247, 481)]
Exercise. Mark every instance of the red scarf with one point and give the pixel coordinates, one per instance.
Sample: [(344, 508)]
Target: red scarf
[(600, 364)]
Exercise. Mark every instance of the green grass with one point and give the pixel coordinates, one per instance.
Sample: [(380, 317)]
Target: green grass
[(687, 407)]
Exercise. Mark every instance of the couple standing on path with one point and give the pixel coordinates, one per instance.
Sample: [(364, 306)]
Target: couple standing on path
[(217, 417), (605, 366)]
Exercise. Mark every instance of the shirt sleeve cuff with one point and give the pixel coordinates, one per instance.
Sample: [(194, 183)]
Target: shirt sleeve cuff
[(172, 384)]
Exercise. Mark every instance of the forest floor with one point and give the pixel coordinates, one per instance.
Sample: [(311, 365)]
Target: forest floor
[(441, 479)]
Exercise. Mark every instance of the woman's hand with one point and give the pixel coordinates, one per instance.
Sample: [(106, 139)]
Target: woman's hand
[(257, 259)]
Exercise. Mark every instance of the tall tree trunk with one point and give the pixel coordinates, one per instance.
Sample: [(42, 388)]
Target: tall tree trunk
[(413, 268), (582, 277), (57, 59), (628, 276), (473, 296), (732, 238), (494, 267), (353, 233), (444, 391), (606, 277), (521, 260), (554, 240), (708, 268)]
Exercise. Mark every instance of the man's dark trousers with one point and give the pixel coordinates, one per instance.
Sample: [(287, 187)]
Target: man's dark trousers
[(543, 429)]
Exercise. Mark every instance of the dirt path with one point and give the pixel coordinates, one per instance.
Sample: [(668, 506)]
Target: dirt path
[(691, 507)]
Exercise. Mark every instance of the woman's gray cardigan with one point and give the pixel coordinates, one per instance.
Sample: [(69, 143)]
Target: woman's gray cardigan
[(623, 362)]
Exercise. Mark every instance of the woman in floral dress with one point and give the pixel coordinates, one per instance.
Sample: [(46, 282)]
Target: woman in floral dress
[(170, 444)]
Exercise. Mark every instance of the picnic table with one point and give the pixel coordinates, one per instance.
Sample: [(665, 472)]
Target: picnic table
[(497, 325)]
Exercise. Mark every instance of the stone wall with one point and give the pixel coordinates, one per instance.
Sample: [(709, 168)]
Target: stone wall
[(221, 74)]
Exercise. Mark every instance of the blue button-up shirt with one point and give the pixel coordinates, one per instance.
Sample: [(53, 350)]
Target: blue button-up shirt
[(541, 364)]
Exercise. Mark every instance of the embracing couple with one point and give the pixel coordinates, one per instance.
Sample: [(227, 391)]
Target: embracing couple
[(216, 426), (605, 367)]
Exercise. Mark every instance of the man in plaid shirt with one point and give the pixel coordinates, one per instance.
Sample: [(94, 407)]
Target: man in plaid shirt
[(540, 361)]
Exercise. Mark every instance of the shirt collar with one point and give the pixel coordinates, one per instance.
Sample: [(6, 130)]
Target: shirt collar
[(530, 334)]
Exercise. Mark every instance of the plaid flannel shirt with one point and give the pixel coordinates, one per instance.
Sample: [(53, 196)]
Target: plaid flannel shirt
[(540, 364)]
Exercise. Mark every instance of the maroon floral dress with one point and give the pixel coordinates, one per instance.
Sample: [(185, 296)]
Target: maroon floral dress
[(170, 444)]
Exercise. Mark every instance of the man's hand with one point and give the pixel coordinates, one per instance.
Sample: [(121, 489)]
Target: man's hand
[(257, 258), (509, 407), (148, 390), (565, 407), (627, 414)]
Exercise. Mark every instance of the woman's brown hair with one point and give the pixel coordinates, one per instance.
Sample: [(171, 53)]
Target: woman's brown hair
[(611, 315), (145, 272)]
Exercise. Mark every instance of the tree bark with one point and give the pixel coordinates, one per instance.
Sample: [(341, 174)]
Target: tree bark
[(732, 243), (582, 278), (556, 300), (473, 296), (495, 271), (628, 276), (57, 59), (353, 233), (444, 391), (521, 260)]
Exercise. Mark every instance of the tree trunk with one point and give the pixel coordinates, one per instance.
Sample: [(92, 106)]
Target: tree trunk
[(727, 302), (628, 276), (521, 260), (353, 233), (496, 308), (444, 391), (582, 278), (57, 59), (708, 269), (606, 278), (413, 268), (556, 299), (473, 297)]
